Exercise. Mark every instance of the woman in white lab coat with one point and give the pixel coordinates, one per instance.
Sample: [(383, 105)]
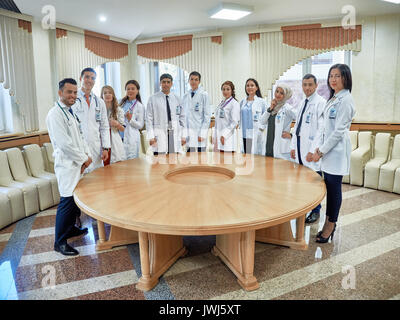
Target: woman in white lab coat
[(251, 109), (335, 147), (116, 118), (134, 118), (278, 118), (227, 118)]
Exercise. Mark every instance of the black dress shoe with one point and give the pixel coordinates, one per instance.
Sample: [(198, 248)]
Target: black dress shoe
[(77, 232), (314, 216), (66, 250)]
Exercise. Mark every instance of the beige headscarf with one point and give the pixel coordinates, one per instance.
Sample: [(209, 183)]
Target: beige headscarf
[(287, 95)]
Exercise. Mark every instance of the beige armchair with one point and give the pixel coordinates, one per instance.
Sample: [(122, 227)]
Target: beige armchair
[(396, 184), (387, 172), (380, 156), (359, 158), (35, 163), (5, 211), (23, 196), (20, 174), (47, 149), (354, 145)]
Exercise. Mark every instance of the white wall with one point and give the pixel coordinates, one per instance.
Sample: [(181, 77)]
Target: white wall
[(376, 71)]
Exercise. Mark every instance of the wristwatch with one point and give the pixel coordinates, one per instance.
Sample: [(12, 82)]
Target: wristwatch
[(106, 149), (320, 153)]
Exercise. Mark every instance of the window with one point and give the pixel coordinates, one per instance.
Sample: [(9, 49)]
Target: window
[(180, 76), (6, 121), (319, 66), (108, 74), (150, 79)]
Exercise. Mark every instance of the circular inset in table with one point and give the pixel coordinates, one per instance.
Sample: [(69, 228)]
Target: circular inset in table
[(199, 175)]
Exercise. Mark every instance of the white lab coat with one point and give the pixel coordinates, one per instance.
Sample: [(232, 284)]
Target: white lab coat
[(258, 137), (95, 126), (226, 126), (157, 121), (70, 148), (313, 120), (334, 137), (117, 146), (132, 133), (283, 120), (198, 116)]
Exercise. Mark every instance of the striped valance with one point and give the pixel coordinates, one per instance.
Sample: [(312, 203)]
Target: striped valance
[(274, 52)]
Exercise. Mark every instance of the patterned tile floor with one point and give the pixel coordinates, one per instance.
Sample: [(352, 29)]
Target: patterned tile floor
[(362, 262)]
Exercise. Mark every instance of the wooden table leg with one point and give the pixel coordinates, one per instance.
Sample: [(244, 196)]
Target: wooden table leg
[(118, 237), (157, 254), (282, 235), (237, 252)]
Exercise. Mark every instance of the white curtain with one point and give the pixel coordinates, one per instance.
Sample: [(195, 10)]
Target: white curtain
[(72, 57), (270, 57), (17, 72), (206, 58)]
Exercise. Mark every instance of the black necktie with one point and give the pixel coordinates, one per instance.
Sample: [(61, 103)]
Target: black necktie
[(192, 93), (70, 110), (168, 110), (301, 119)]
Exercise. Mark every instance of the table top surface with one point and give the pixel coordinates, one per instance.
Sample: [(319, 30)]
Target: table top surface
[(199, 194)]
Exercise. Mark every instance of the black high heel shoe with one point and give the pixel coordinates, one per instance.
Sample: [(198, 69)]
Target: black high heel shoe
[(325, 240)]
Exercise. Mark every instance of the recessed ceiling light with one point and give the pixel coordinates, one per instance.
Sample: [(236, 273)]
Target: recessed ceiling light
[(392, 1), (230, 11), (103, 18)]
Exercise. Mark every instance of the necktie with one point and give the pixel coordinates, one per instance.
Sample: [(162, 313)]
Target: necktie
[(168, 110), (70, 110), (192, 93), (301, 119), (87, 100)]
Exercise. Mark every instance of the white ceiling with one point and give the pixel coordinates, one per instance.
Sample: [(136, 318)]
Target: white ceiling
[(139, 19)]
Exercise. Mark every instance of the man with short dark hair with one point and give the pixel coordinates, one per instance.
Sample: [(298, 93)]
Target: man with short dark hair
[(92, 112), (71, 158), (309, 120), (198, 114), (165, 119)]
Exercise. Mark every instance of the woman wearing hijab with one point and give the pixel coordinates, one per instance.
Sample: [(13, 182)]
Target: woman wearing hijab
[(278, 118)]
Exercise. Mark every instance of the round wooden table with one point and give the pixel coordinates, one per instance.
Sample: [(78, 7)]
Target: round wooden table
[(239, 198)]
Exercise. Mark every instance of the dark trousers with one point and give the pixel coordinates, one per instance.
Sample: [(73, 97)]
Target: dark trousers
[(198, 149), (67, 211), (170, 144), (333, 195), (247, 144), (318, 207)]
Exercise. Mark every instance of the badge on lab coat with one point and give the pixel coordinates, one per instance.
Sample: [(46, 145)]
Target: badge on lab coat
[(308, 117), (221, 113), (178, 110), (332, 113), (196, 108), (278, 118), (256, 116), (98, 117)]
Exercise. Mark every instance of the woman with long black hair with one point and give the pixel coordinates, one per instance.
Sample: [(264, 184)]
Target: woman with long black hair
[(251, 110), (335, 145)]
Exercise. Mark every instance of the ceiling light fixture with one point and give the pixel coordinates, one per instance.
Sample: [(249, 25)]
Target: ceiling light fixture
[(393, 1), (230, 11), (103, 18)]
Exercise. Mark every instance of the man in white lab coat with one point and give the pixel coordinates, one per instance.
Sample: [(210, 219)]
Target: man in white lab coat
[(309, 121), (198, 114), (165, 119), (71, 158), (92, 112)]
